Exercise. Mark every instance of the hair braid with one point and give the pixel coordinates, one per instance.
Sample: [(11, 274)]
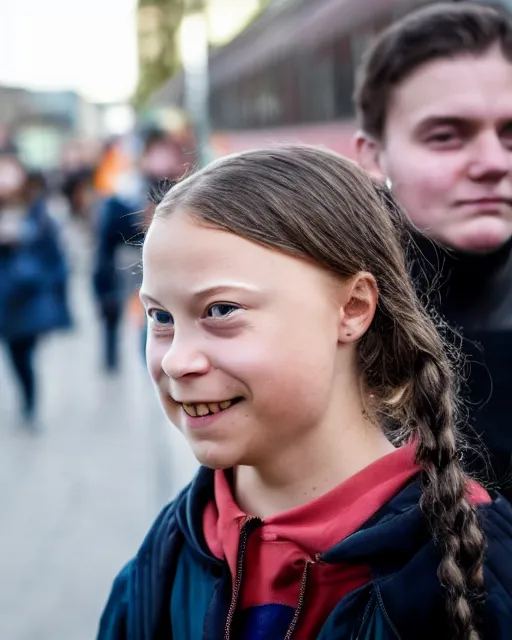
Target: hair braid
[(408, 369), (422, 400), (444, 500)]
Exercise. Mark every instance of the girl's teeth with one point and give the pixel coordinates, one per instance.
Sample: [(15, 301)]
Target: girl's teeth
[(190, 409), (202, 410)]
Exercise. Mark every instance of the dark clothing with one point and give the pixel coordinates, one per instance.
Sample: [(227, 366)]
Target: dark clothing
[(21, 354), (176, 589), (33, 279), (119, 226), (474, 294), (111, 326)]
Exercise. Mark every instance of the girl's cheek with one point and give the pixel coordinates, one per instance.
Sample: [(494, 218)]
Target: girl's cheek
[(155, 352), (154, 371)]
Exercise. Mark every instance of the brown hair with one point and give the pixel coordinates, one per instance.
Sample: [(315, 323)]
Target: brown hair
[(439, 31), (314, 204)]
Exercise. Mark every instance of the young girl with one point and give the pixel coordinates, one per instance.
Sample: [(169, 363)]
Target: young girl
[(286, 343)]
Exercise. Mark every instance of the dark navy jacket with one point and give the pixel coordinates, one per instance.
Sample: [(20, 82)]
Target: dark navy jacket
[(174, 589), (119, 226), (33, 279)]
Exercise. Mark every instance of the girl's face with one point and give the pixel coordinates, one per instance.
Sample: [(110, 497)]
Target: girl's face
[(243, 342)]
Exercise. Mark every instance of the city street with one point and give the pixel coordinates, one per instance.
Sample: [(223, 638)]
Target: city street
[(77, 499)]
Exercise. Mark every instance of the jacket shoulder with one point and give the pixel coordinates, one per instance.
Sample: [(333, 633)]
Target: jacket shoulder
[(114, 617), (136, 598), (496, 519)]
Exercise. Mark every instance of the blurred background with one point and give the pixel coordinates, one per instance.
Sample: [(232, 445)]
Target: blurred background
[(98, 101)]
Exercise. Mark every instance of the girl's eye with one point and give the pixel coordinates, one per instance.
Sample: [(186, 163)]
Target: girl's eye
[(159, 317), (221, 310)]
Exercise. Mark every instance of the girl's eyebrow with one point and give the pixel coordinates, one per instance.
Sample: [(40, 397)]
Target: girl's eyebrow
[(145, 297), (208, 290), (222, 287)]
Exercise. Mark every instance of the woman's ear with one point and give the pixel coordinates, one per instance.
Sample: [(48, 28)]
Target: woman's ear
[(369, 155), (356, 314)]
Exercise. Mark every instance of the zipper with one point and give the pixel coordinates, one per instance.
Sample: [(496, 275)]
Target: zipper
[(248, 527), (300, 604)]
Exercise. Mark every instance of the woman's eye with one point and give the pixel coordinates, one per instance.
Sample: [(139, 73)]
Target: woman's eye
[(160, 317), (506, 135), (442, 137), (221, 310)]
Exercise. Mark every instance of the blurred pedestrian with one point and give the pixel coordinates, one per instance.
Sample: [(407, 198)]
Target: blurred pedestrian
[(116, 276), (33, 276), (434, 100), (287, 344), (77, 188)]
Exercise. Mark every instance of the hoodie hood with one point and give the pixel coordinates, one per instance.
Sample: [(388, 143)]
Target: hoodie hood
[(190, 506), (391, 536), (398, 526)]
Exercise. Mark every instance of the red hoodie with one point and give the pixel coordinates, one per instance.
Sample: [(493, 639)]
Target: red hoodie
[(283, 551), (281, 564)]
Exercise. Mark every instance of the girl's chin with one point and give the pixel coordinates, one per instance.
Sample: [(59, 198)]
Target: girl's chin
[(215, 457), (214, 463)]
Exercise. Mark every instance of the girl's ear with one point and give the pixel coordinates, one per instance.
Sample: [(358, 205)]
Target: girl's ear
[(357, 312)]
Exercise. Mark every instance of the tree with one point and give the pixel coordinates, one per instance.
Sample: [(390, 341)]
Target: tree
[(159, 23), (159, 59)]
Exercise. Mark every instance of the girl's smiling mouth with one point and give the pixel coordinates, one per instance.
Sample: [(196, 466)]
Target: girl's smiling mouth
[(202, 409)]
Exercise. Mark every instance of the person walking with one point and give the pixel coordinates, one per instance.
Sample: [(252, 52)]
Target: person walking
[(33, 278)]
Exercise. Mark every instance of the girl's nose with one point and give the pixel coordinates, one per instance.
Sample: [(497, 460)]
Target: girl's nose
[(184, 359)]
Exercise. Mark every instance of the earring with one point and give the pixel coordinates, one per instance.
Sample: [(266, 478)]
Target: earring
[(389, 184)]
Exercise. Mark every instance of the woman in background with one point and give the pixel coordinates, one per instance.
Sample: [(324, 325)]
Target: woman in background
[(33, 276)]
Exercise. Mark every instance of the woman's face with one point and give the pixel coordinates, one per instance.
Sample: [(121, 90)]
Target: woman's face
[(243, 341), (12, 178), (447, 150)]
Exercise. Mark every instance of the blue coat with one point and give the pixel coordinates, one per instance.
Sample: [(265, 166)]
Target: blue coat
[(175, 589), (33, 280), (119, 225)]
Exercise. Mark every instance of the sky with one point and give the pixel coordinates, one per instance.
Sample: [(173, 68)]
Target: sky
[(226, 15), (85, 45)]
